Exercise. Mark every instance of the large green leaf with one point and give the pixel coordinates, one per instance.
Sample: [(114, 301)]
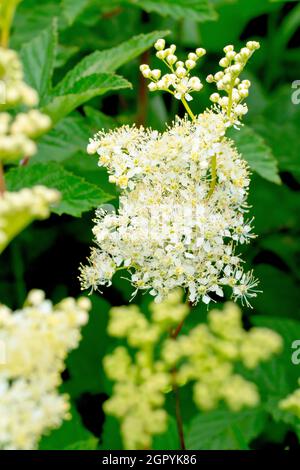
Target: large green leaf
[(32, 18), (278, 377), (84, 364), (225, 430), (109, 60), (98, 120), (275, 284), (77, 195), (38, 57), (227, 30), (283, 139), (274, 207), (65, 99), (197, 10), (257, 153)]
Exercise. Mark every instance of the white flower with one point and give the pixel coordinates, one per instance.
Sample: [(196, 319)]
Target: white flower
[(37, 339)]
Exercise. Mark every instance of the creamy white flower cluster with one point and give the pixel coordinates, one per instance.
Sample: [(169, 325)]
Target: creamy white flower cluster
[(141, 381), (174, 227), (37, 339), (206, 356), (291, 403), (179, 82), (228, 80), (17, 133), (11, 74), (19, 209)]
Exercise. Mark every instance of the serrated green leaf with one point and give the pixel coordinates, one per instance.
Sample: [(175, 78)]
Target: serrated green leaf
[(169, 440), (77, 195), (65, 99), (264, 197), (38, 57), (283, 139), (278, 377), (98, 120), (69, 136), (257, 153), (109, 60), (199, 10), (32, 18), (86, 166), (224, 429)]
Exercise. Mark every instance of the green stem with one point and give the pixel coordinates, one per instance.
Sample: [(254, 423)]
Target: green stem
[(229, 101), (8, 10), (213, 175)]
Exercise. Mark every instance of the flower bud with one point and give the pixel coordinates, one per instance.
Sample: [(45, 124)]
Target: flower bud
[(160, 44)]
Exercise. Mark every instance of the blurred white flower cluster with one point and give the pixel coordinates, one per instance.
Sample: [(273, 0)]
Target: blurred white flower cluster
[(205, 356), (209, 352), (180, 217), (19, 209), (291, 403), (37, 339), (18, 131)]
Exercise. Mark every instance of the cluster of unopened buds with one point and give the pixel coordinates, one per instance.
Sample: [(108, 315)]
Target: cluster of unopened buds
[(179, 81), (163, 358), (36, 339), (227, 80), (18, 132)]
